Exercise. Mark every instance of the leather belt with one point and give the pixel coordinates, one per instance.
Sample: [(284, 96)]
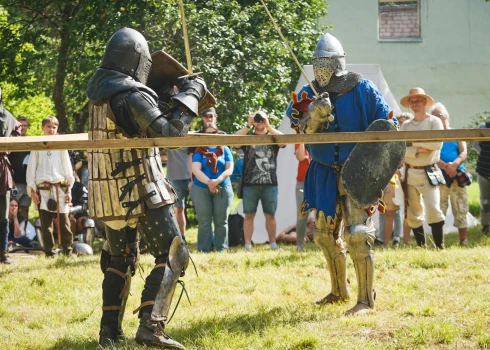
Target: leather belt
[(46, 186), (418, 167)]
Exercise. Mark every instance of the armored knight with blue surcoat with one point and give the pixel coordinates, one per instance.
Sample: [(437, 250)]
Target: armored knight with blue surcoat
[(345, 103)]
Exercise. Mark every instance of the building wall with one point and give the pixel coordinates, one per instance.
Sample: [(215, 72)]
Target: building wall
[(451, 61)]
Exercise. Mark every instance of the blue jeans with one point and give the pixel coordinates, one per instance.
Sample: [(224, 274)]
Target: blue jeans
[(397, 230), (267, 194), (212, 207)]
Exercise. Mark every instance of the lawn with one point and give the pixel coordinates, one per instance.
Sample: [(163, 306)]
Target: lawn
[(426, 299)]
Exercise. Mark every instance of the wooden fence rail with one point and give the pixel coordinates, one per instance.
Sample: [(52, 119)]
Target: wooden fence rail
[(81, 142)]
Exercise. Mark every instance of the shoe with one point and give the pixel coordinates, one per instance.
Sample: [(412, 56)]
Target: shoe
[(247, 250), (153, 334), (299, 248), (108, 338), (5, 259), (378, 242), (277, 249), (464, 243), (329, 299), (396, 244)]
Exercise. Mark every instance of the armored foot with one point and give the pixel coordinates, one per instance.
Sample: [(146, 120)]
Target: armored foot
[(359, 310), (330, 299), (153, 334)]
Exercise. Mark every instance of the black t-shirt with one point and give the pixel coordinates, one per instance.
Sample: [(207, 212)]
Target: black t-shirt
[(19, 168), (260, 165)]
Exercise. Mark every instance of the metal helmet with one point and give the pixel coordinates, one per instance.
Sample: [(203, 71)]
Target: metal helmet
[(82, 249), (328, 59), (127, 52)]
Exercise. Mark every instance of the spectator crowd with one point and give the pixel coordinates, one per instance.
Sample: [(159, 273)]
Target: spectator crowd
[(432, 176)]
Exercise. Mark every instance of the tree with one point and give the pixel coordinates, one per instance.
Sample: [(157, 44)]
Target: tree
[(54, 46)]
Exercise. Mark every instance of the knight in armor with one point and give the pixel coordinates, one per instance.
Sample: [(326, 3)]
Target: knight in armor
[(346, 103), (127, 187)]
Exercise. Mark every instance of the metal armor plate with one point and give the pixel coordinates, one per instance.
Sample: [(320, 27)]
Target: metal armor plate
[(370, 166), (165, 69)]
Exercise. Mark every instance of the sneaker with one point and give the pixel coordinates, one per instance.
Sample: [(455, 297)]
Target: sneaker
[(299, 248), (464, 243), (396, 243), (247, 249), (276, 249), (378, 242)]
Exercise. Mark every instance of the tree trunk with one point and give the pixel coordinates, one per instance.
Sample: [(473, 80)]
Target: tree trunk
[(80, 119), (69, 10)]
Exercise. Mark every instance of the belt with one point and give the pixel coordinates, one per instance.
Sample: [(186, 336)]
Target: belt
[(418, 167), (46, 186)]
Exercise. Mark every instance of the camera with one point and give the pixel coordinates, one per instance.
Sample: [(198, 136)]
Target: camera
[(14, 192), (258, 118)]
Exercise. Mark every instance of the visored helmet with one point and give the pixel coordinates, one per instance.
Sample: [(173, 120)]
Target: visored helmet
[(127, 52), (328, 59)]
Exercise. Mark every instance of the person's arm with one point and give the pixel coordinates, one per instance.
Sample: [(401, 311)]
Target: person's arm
[(271, 129), (31, 177), (18, 228), (226, 173), (189, 160), (68, 174), (244, 131), (300, 152), (427, 147), (198, 173)]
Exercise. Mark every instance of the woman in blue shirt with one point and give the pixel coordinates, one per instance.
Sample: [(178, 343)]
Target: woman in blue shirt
[(212, 193)]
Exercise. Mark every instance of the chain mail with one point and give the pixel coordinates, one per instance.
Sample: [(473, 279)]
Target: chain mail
[(340, 85)]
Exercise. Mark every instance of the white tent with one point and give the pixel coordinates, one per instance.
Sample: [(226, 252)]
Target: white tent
[(288, 165)]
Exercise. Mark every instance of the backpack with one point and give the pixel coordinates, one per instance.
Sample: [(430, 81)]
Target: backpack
[(235, 230)]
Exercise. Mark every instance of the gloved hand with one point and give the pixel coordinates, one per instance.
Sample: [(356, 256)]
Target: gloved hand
[(318, 113)]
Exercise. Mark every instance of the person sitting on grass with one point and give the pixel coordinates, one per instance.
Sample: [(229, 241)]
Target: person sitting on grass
[(17, 225)]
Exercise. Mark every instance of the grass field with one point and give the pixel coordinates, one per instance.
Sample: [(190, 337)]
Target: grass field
[(426, 299)]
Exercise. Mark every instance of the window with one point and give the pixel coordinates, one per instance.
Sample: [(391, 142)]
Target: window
[(399, 20)]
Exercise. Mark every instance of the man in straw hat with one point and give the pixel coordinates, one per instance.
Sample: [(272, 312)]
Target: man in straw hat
[(422, 174)]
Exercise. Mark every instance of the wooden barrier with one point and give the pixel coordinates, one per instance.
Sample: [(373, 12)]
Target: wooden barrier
[(81, 142)]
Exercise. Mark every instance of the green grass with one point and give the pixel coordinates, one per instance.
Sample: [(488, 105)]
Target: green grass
[(474, 198), (426, 299)]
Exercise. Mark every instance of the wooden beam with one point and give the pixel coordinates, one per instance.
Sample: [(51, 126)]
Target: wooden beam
[(80, 141)]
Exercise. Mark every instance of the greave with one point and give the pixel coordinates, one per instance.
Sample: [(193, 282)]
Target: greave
[(438, 234), (419, 236), (335, 252), (362, 255), (115, 292)]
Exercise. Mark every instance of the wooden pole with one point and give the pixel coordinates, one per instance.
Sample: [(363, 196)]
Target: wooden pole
[(81, 142)]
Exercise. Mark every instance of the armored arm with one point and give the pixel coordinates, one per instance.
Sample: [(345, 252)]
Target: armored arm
[(171, 120)]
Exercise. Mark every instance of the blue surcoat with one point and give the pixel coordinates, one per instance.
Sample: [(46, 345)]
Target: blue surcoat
[(354, 111)]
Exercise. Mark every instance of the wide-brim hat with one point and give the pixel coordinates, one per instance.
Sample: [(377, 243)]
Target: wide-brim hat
[(414, 93)]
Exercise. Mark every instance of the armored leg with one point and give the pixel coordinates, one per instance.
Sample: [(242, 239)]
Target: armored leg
[(118, 270), (160, 230), (438, 234), (334, 250), (360, 235)]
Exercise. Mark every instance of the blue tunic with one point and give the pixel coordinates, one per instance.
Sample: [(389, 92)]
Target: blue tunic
[(354, 111)]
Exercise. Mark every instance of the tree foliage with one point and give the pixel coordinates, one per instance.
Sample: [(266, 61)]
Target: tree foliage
[(52, 47), (476, 122)]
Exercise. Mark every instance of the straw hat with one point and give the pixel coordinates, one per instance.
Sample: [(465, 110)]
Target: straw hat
[(415, 92)]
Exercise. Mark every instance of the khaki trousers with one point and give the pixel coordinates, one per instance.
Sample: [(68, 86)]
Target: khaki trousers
[(459, 203), (420, 191)]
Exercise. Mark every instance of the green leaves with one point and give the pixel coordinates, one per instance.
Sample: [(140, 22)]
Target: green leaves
[(234, 44)]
